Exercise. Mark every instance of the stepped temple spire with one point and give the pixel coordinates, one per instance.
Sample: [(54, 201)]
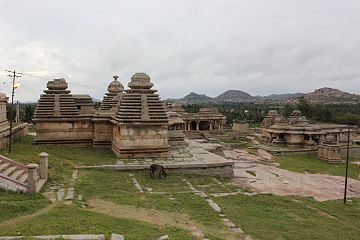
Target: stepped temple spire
[(142, 122)]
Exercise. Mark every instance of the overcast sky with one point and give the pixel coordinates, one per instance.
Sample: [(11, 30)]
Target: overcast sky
[(204, 46)]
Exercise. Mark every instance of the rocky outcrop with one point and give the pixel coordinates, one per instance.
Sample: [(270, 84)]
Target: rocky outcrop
[(331, 95), (235, 96)]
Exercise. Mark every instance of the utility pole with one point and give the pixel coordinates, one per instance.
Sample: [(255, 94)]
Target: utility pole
[(14, 76), (347, 163)]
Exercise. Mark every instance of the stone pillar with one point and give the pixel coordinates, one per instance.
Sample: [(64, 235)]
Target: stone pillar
[(210, 125), (197, 125), (44, 163), (32, 177), (219, 126)]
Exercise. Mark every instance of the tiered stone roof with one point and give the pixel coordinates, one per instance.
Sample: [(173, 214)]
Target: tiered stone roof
[(56, 102), (111, 99), (84, 104), (140, 104), (297, 118), (273, 118), (205, 114)]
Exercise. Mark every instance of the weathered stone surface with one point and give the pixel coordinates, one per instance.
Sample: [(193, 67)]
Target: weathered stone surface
[(270, 179), (116, 237), (164, 237)]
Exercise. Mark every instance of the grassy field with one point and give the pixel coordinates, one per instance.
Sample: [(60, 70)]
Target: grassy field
[(312, 164), (167, 206), (62, 159)]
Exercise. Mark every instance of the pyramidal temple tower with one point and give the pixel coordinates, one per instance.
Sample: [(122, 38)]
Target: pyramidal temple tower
[(113, 96), (103, 118), (141, 124), (63, 118)]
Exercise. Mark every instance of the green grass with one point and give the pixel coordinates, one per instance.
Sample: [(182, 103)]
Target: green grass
[(119, 188), (312, 164), (261, 216), (16, 204), (73, 220), (273, 217), (62, 158)]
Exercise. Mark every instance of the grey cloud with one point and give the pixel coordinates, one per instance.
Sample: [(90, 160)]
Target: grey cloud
[(205, 46)]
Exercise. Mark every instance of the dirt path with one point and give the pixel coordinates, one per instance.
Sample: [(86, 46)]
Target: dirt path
[(156, 217), (28, 217)]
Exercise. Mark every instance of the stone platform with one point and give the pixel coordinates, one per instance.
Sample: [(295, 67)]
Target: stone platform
[(197, 157)]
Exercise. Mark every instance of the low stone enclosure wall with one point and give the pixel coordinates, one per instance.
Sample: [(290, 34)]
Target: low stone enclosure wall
[(68, 237), (354, 151), (224, 169), (18, 131)]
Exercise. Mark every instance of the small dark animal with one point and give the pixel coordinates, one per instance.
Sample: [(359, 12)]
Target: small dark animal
[(157, 167)]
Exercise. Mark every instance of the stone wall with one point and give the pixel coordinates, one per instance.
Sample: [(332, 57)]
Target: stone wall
[(293, 139), (77, 131), (212, 169), (219, 171), (140, 141), (353, 151), (18, 132), (103, 133)]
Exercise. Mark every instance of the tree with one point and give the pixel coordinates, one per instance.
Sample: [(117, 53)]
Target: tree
[(27, 113)]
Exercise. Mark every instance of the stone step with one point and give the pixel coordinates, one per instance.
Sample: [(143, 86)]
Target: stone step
[(16, 174), (9, 171), (4, 166), (23, 178)]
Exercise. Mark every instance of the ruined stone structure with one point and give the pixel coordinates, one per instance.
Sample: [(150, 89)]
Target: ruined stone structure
[(207, 119), (329, 150), (17, 131), (141, 123), (298, 131), (133, 123), (176, 129)]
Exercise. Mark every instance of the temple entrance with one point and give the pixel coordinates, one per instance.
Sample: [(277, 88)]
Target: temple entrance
[(204, 126), (193, 125)]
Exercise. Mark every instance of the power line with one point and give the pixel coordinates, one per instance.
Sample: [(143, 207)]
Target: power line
[(26, 74)]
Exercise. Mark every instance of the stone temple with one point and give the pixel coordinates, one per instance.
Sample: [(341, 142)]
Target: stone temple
[(297, 131), (141, 123), (132, 122)]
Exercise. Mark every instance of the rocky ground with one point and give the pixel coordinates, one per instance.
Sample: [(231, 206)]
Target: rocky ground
[(256, 173)]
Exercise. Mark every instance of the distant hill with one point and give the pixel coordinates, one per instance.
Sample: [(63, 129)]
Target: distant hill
[(234, 96), (331, 95), (328, 95), (193, 98), (322, 95), (277, 97)]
